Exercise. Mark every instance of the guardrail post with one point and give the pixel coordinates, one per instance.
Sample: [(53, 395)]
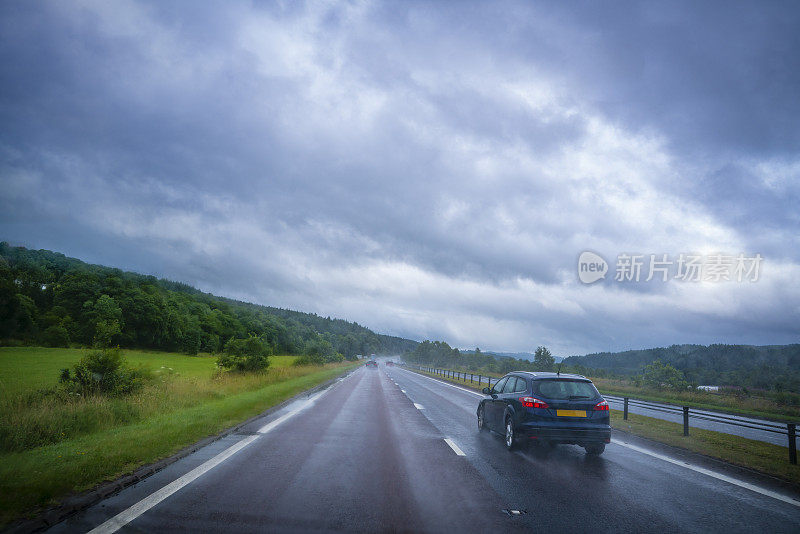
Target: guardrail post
[(625, 410), (685, 420), (480, 380), (791, 431)]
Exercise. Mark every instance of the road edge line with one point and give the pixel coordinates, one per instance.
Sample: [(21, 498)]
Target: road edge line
[(708, 472)]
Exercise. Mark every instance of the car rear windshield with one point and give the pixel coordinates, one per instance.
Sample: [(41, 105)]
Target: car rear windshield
[(564, 389)]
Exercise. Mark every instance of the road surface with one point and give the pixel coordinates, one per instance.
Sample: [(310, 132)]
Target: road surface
[(388, 450)]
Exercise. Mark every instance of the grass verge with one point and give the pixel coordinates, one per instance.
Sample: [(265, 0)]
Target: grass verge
[(107, 438)]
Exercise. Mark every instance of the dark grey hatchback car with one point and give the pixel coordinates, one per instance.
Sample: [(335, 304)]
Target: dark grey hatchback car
[(549, 408)]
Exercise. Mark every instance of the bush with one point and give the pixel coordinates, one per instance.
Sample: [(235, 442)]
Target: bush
[(103, 372), (56, 336), (319, 352), (251, 354)]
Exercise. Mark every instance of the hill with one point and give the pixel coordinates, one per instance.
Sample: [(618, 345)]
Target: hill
[(50, 299), (768, 367)]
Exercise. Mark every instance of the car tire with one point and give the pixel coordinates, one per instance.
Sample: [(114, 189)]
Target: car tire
[(481, 419), (595, 449), (510, 438)]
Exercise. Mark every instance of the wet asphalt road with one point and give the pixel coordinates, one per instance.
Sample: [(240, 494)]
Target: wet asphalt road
[(369, 455)]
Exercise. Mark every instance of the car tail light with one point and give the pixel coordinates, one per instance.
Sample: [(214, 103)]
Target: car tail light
[(531, 402), (601, 406)]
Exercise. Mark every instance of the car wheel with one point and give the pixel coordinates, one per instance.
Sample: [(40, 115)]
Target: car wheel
[(481, 419), (511, 438), (595, 449)]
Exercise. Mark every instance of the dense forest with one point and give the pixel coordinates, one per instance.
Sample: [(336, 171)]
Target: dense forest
[(767, 367), (49, 299)]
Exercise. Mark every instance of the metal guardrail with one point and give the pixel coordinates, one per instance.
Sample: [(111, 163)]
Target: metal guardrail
[(787, 429)]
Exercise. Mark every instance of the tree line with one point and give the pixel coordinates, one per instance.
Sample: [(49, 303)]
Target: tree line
[(769, 367), (440, 354), (49, 299)]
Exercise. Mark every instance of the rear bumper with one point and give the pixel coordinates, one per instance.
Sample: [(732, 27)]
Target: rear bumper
[(578, 436)]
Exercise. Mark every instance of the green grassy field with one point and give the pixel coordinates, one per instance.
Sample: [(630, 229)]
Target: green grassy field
[(23, 369), (757, 455), (50, 447)]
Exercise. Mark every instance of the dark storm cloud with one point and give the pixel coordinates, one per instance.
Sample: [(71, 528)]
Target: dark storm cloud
[(430, 170)]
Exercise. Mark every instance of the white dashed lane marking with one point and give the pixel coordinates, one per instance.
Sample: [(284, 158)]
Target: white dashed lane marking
[(456, 448)]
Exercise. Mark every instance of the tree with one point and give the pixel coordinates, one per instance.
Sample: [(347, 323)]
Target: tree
[(543, 360), (663, 376), (108, 322)]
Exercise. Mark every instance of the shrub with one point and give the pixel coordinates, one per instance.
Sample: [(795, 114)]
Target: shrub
[(251, 354), (318, 352), (103, 372)]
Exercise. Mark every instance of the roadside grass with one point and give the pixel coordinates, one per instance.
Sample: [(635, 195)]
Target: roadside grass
[(757, 455), (51, 446), (764, 457)]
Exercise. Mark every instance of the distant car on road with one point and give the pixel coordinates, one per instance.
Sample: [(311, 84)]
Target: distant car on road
[(547, 408), (390, 363), (371, 363)]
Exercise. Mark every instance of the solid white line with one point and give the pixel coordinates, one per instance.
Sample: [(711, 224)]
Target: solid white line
[(128, 515), (419, 406), (455, 447), (450, 385), (269, 426), (708, 472)]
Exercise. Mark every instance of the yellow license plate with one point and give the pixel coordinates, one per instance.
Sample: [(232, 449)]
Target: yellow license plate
[(571, 413)]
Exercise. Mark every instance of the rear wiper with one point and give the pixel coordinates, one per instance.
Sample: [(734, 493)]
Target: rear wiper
[(576, 397)]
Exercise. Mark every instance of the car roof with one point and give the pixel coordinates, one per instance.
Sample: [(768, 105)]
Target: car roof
[(539, 375)]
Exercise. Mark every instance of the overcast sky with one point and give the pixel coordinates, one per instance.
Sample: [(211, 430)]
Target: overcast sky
[(430, 170)]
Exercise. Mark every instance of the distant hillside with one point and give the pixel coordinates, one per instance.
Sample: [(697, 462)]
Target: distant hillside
[(759, 366), (48, 298)]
